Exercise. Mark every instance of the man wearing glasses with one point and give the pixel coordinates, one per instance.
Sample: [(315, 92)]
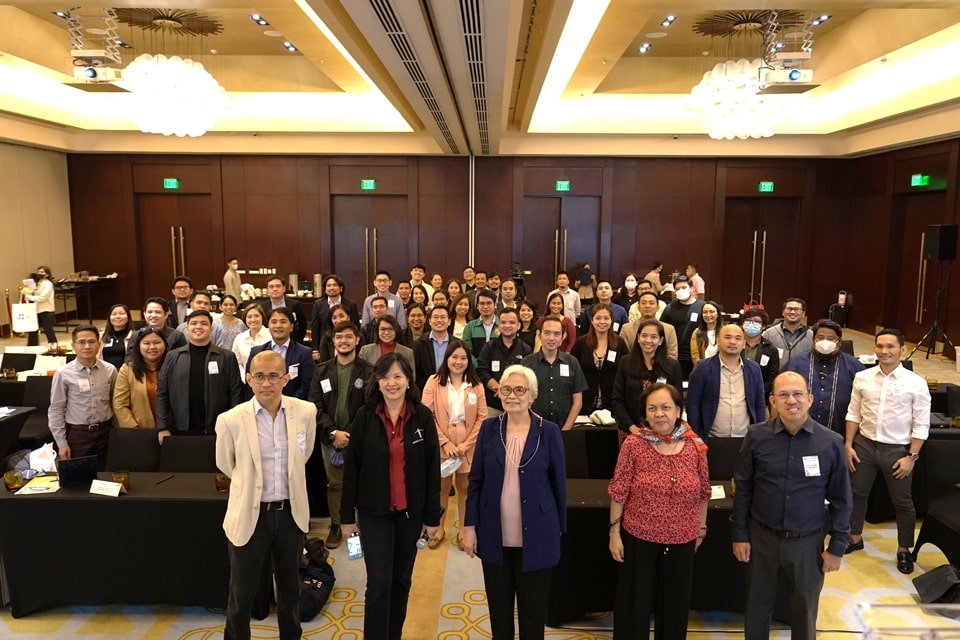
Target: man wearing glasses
[(263, 445), (180, 305), (80, 413), (791, 336), (483, 328), (788, 466), (382, 282), (559, 377)]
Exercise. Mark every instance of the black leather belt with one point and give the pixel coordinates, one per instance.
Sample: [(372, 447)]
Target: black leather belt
[(91, 427), (781, 533), (279, 505)]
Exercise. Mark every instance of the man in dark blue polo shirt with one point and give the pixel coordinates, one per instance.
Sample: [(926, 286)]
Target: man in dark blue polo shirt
[(788, 466), (559, 375)]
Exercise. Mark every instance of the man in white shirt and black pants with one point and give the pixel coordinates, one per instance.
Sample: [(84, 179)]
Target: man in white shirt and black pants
[(887, 422)]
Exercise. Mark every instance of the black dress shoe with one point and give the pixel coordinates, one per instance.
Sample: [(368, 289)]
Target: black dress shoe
[(334, 537), (904, 562), (854, 546)]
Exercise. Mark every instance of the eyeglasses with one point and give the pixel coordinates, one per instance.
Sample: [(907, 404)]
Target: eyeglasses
[(183, 287), (386, 330), (794, 309), (86, 343), (517, 391), (786, 395), (260, 378)]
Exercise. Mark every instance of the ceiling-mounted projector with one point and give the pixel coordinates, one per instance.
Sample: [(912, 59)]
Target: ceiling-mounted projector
[(93, 57), (787, 81), (97, 74)]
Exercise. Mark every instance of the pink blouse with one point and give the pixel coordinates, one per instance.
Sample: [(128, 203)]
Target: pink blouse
[(511, 519), (660, 494)]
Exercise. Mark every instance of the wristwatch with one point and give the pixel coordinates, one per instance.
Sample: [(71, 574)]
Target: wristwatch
[(333, 436), (914, 456)]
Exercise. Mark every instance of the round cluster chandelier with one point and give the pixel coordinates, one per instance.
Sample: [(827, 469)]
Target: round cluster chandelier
[(729, 105), (173, 96)]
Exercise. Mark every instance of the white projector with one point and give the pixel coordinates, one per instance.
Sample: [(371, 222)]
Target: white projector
[(787, 81), (93, 57), (97, 74)]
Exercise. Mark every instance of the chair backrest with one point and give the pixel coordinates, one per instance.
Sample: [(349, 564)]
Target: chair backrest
[(36, 392), (133, 450), (189, 454), (575, 454), (722, 456), (847, 347), (18, 361)]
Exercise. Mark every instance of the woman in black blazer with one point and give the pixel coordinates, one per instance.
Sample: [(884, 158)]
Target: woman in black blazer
[(599, 353), (388, 503), (647, 364)]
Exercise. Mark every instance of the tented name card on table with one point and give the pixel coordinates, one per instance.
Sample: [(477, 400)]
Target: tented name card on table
[(717, 492)]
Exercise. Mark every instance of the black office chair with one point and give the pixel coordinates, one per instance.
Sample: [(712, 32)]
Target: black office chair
[(189, 454), (722, 455), (847, 347), (19, 361), (35, 431), (133, 450)]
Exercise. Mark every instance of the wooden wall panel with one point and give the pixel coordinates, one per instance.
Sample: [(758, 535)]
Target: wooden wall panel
[(391, 180), (443, 220), (493, 247)]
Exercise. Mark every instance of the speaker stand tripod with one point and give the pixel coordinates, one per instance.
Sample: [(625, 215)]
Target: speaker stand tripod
[(935, 332)]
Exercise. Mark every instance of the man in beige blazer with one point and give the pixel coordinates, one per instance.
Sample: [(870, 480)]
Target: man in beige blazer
[(263, 445)]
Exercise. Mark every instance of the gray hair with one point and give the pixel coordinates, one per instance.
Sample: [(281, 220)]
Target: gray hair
[(528, 374)]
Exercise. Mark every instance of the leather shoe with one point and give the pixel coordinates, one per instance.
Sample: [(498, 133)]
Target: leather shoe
[(904, 562), (334, 537), (435, 541), (854, 546)]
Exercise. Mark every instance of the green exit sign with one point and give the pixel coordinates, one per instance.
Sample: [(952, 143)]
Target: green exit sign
[(765, 186), (919, 180), (171, 183), (368, 184), (562, 185)]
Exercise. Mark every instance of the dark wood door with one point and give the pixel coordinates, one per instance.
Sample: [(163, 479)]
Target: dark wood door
[(558, 233), (759, 252), (175, 234), (369, 233), (918, 277)]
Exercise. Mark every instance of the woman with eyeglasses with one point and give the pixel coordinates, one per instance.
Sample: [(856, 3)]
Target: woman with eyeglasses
[(454, 395), (116, 335), (658, 518), (135, 392), (391, 491), (388, 331), (516, 508)]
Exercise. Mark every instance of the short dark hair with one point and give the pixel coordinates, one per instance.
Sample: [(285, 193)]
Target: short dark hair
[(231, 259), (554, 318), (477, 272), (757, 313), (201, 292), (231, 297), (648, 293), (438, 308), (681, 278), (346, 326), (506, 310), (694, 265), (82, 328), (896, 333), (801, 301), (394, 324), (418, 266), (154, 300), (246, 310), (287, 313), (272, 278), (198, 314), (181, 279), (486, 293), (493, 274), (656, 265), (826, 323), (383, 272), (640, 282), (662, 386), (563, 272), (336, 279), (375, 298)]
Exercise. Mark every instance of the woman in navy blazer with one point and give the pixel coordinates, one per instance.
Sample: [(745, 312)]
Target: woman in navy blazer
[(516, 507)]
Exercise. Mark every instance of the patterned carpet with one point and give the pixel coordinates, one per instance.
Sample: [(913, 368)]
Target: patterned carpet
[(448, 603)]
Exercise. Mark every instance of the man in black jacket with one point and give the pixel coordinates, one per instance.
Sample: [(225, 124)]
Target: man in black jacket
[(759, 349), (275, 291), (333, 289), (429, 349), (197, 382), (498, 354), (337, 389)]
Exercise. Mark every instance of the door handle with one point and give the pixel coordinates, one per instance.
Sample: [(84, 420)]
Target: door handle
[(763, 265), (556, 251), (366, 257), (916, 309), (376, 257), (183, 255), (173, 250), (753, 265), (564, 249)]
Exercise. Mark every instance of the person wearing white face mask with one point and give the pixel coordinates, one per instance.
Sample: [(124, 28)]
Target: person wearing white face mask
[(829, 373), (683, 313), (627, 294), (759, 349)]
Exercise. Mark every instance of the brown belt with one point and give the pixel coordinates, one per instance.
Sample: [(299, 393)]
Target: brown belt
[(92, 427)]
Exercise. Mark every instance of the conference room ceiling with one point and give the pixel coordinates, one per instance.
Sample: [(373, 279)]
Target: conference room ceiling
[(486, 77)]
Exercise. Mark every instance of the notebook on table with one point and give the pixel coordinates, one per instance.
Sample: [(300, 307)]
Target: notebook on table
[(76, 471)]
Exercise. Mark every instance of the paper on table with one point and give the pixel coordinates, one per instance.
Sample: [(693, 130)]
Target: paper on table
[(5, 410), (717, 492), (40, 484)]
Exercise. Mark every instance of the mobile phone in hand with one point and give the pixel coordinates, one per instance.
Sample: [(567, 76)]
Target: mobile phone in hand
[(354, 549)]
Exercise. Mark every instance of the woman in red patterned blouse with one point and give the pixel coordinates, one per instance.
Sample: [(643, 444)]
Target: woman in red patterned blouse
[(658, 514)]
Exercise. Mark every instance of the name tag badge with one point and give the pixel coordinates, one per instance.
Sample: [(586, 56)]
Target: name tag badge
[(495, 366), (358, 383), (84, 384), (391, 304), (611, 356), (694, 316), (294, 371), (564, 370), (811, 466), (326, 386), (780, 352), (764, 359), (213, 368), (472, 399), (109, 344), (616, 327), (302, 441), (661, 380)]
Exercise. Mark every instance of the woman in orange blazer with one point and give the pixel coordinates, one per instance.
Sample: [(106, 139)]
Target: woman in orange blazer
[(135, 391), (455, 397)]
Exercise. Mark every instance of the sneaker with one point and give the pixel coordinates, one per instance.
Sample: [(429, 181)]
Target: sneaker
[(334, 537)]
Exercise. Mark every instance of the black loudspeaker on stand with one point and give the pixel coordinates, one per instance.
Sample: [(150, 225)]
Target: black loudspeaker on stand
[(940, 244)]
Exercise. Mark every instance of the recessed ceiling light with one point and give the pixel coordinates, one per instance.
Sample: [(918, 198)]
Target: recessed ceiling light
[(61, 14), (668, 21), (121, 43), (820, 20), (289, 47), (644, 48), (259, 19)]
